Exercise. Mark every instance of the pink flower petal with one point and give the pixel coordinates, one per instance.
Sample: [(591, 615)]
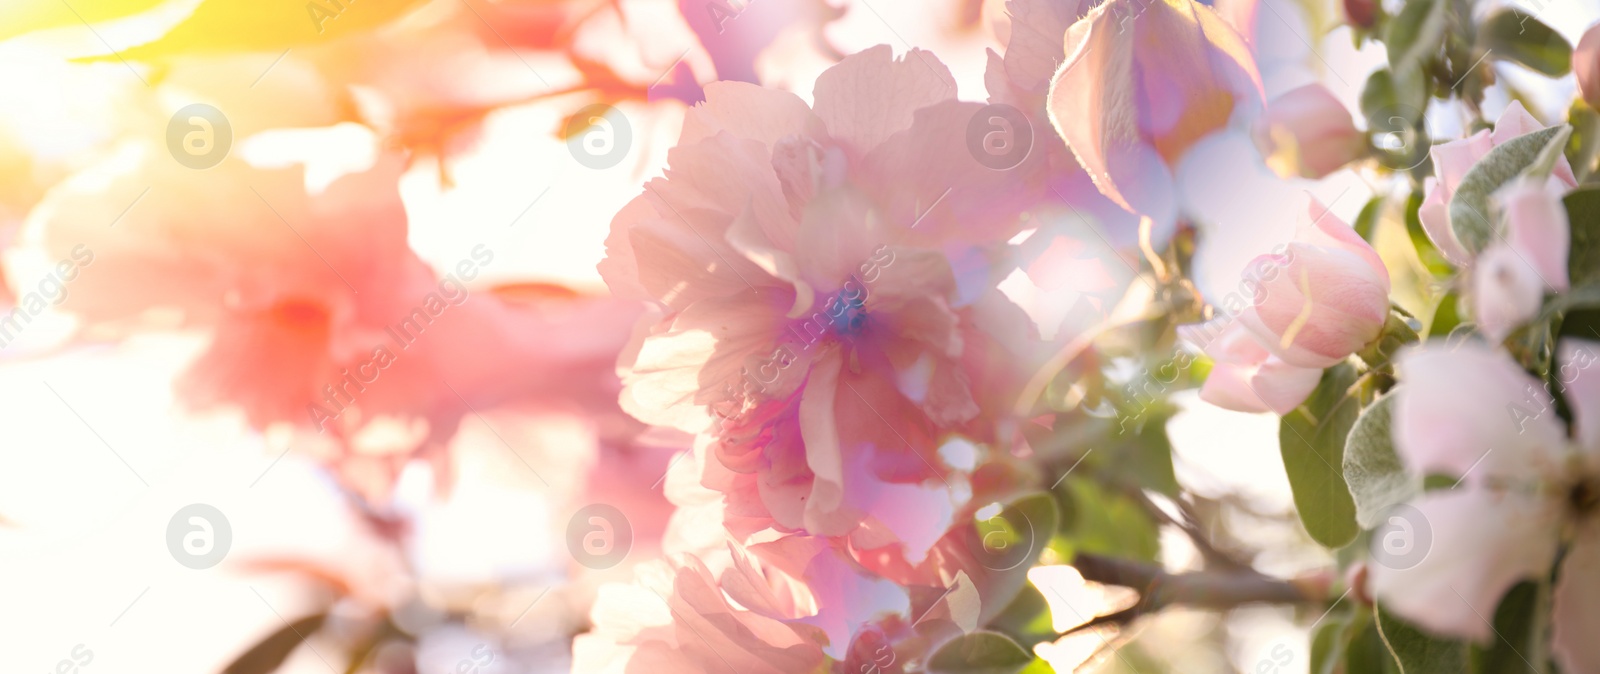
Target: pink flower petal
[(1575, 621), (871, 95), (1506, 290), (1474, 545), (1466, 405), (1537, 228)]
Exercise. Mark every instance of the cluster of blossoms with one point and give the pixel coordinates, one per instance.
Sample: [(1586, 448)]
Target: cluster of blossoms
[(867, 336), (826, 319)]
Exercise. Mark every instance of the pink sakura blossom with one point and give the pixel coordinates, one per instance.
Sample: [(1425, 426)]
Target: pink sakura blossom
[(1143, 82), (1453, 159), (778, 607), (1527, 492), (317, 313), (826, 295)]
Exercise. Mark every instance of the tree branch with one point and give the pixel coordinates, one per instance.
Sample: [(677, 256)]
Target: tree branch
[(1158, 588)]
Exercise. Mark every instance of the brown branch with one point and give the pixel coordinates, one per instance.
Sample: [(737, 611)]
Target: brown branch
[(1158, 588)]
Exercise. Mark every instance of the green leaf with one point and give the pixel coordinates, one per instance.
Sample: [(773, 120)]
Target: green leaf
[(979, 653), (998, 551), (1311, 439), (1397, 334), (271, 652), (1585, 147), (1469, 206), (1510, 35), (1372, 469), (1038, 666), (1367, 219), (1104, 522), (1446, 314), (1418, 652), (1415, 33), (1026, 619), (1546, 161), (1513, 624), (1413, 37), (1366, 654), (1396, 125), (1146, 460), (1583, 214), (1328, 643)]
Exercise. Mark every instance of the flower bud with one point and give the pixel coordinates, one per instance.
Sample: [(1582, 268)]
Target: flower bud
[(1325, 297), (1308, 133)]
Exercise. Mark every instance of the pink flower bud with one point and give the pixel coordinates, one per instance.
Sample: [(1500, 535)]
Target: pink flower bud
[(1361, 13), (1325, 297), (1309, 133), (1142, 82)]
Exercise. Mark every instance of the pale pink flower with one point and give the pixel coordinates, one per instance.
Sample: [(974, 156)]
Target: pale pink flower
[(825, 294), (1245, 377), (1526, 492), (1325, 297), (1141, 83), (1452, 161), (1307, 132)]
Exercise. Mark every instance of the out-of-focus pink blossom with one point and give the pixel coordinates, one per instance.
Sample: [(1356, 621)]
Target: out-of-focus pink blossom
[(318, 314), (1452, 161), (1537, 228), (777, 607), (1246, 377), (1506, 292), (1586, 66), (1511, 275), (1325, 297), (1307, 132), (1141, 83), (826, 296), (1526, 491)]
